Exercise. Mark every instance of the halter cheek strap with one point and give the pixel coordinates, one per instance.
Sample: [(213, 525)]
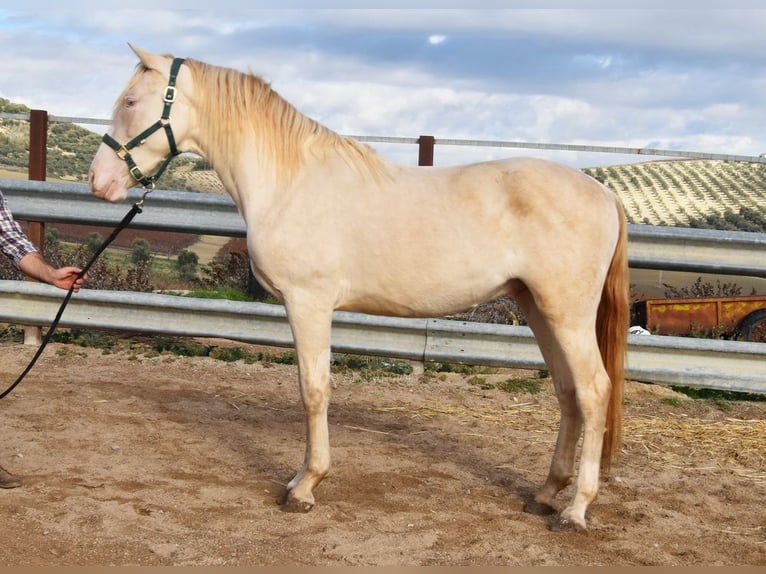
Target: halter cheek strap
[(123, 151)]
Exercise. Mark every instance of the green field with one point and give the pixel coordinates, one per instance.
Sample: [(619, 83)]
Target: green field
[(686, 192)]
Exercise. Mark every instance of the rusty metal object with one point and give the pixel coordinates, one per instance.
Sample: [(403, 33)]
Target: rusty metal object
[(722, 316)]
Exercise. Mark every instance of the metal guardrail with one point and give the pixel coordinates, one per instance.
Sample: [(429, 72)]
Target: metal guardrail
[(548, 146), (697, 250), (708, 363), (649, 247), (182, 211)]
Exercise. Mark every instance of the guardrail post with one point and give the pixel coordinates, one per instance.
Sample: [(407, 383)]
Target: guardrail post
[(38, 151), (425, 159), (426, 150)]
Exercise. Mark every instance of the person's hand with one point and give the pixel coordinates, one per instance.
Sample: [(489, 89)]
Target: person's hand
[(35, 266), (65, 277)]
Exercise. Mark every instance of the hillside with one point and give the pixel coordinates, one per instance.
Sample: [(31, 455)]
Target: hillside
[(70, 149), (688, 193)]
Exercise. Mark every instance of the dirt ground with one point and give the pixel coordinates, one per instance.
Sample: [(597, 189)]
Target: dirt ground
[(129, 459)]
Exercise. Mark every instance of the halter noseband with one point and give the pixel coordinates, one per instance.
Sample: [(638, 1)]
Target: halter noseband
[(123, 151)]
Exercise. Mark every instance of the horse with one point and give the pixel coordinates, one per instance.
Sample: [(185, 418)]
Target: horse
[(332, 225)]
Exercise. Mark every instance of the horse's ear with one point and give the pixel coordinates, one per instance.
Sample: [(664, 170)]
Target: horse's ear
[(151, 60)]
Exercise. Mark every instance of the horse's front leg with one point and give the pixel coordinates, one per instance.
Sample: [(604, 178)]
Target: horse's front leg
[(311, 330)]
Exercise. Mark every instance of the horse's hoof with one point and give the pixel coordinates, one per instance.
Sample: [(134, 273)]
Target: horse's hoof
[(562, 524), (289, 504), (538, 508), (297, 506)]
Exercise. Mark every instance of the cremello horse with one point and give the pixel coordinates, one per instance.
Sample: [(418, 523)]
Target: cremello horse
[(332, 225)]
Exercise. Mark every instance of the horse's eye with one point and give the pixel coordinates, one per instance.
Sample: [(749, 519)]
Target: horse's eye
[(130, 102)]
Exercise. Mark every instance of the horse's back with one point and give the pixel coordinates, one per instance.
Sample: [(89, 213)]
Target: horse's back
[(516, 201), (436, 240), (528, 183)]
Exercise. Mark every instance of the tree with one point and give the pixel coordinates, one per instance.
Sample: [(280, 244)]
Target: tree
[(187, 265), (93, 241), (141, 252)]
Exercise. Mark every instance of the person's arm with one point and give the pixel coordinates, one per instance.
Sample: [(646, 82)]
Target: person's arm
[(13, 242), (35, 266), (24, 255)]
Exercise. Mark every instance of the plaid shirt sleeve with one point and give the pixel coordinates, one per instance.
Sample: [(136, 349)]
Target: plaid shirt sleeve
[(13, 243)]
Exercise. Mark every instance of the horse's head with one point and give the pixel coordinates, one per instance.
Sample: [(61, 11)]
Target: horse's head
[(142, 140)]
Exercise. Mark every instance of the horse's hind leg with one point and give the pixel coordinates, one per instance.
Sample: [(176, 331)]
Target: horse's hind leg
[(311, 328), (563, 462), (571, 352), (592, 389)]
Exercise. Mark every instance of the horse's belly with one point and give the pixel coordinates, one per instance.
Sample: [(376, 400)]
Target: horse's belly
[(424, 296)]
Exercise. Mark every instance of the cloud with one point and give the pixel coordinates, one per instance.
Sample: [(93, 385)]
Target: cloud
[(685, 79)]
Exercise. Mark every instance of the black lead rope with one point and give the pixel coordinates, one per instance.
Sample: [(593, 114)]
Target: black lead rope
[(137, 208)]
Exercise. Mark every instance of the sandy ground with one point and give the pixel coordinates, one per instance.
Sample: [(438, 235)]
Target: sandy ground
[(129, 459)]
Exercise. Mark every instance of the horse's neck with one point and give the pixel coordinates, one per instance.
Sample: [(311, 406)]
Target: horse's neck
[(253, 193), (245, 170), (257, 178)]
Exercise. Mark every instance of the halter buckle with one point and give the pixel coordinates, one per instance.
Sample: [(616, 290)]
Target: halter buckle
[(122, 152), (137, 174), (170, 95)]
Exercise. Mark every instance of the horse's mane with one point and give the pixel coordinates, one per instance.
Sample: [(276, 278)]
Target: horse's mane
[(235, 107)]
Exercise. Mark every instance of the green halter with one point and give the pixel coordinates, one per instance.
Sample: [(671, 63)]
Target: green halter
[(123, 151)]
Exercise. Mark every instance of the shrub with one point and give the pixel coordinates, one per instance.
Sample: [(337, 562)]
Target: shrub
[(141, 252), (521, 385), (93, 241), (228, 354), (703, 289), (503, 311), (181, 347), (187, 263), (231, 270)]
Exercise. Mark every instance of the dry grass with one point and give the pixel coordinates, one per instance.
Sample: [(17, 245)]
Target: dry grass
[(686, 441), (679, 441)]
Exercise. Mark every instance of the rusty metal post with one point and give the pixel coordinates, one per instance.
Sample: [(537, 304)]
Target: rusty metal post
[(425, 159), (38, 153), (426, 150)]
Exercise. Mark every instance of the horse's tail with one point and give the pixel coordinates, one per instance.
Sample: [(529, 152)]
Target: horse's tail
[(612, 331)]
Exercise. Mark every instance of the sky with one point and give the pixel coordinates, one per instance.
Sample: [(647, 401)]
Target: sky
[(680, 79)]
